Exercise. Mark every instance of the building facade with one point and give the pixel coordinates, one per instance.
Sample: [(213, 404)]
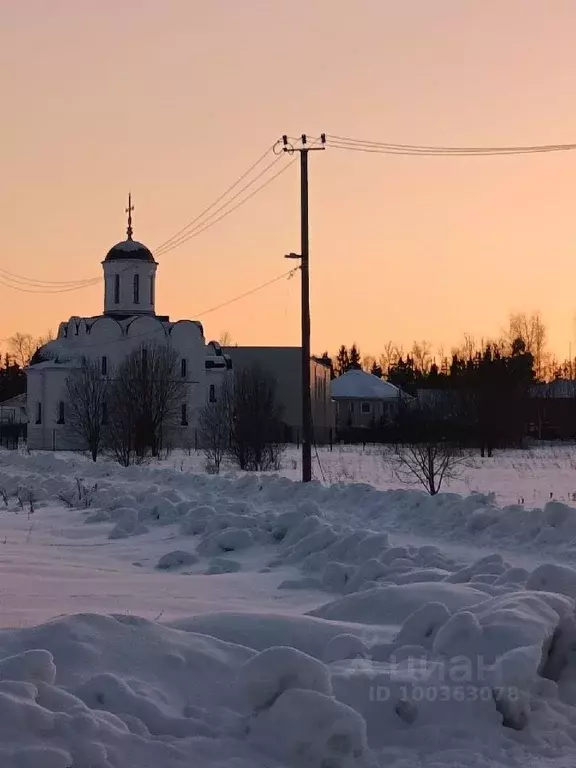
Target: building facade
[(128, 322), (285, 365)]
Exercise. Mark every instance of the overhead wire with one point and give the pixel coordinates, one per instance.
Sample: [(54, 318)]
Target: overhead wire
[(362, 145), (47, 290), (288, 274), (32, 281), (207, 223), (218, 199), (31, 285)]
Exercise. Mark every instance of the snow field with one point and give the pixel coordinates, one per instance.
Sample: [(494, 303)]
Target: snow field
[(416, 657)]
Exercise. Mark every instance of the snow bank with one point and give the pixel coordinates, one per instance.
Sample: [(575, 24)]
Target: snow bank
[(393, 604), (415, 653)]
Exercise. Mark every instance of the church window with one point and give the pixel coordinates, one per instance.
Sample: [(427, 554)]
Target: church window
[(104, 365), (184, 420), (116, 289), (104, 412), (38, 413), (61, 412), (136, 289), (152, 289), (212, 396), (184, 367)]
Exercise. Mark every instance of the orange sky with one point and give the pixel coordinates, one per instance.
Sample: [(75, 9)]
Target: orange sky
[(175, 98)]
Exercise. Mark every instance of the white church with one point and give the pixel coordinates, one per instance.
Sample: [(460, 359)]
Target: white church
[(129, 320)]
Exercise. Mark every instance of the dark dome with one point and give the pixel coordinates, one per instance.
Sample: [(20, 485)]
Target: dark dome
[(129, 249)]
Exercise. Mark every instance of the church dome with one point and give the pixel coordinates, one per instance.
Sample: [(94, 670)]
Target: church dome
[(129, 249)]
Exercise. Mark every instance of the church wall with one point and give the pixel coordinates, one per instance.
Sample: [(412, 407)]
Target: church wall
[(47, 382), (48, 387), (125, 270)]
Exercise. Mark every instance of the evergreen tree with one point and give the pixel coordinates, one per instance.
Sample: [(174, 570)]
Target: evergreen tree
[(12, 380), (342, 361), (355, 362), (376, 370)]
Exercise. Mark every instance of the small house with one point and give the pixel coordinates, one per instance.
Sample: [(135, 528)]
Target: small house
[(363, 401)]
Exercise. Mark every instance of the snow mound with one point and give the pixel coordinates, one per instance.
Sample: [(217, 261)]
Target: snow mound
[(100, 691), (553, 578), (223, 565), (264, 677), (176, 559), (344, 647), (311, 730), (393, 604)]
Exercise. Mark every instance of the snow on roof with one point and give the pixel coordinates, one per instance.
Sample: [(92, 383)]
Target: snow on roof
[(362, 386), (18, 401)]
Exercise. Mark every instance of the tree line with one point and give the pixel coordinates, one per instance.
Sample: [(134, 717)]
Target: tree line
[(17, 354), (529, 328), (478, 394)]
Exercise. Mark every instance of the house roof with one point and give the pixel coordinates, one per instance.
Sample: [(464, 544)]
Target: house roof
[(359, 385), (19, 401)]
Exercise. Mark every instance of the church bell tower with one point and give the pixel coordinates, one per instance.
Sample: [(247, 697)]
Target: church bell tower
[(129, 276)]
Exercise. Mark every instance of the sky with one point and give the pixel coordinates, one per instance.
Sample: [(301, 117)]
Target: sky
[(174, 99)]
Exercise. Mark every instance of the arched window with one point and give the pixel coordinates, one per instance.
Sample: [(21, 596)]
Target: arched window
[(184, 412), (212, 396), (104, 365), (116, 289), (184, 367), (136, 289), (152, 289), (61, 412)]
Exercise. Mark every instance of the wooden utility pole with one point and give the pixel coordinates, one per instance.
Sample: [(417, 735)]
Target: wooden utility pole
[(304, 255)]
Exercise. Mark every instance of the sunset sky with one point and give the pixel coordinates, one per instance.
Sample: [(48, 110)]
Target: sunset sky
[(174, 99)]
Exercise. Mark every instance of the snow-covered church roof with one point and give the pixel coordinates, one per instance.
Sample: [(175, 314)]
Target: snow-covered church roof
[(360, 385)]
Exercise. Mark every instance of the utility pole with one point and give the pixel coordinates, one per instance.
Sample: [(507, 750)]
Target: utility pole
[(304, 256)]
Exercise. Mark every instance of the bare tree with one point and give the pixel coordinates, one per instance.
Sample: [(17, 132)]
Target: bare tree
[(427, 456), (427, 464), (146, 396), (225, 339), (214, 422), (87, 392), (255, 436), (23, 345), (368, 362), (120, 434), (531, 329), (422, 355), (389, 356)]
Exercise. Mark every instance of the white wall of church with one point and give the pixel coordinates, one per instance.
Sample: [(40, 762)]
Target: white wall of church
[(107, 342), (129, 287)]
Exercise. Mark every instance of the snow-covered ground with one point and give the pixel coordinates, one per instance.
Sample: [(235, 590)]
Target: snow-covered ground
[(156, 618), (533, 475)]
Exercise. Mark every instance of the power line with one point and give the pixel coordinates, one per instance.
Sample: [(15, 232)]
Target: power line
[(37, 286), (13, 277), (360, 145), (218, 199), (45, 290), (260, 287), (287, 274), (204, 226)]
